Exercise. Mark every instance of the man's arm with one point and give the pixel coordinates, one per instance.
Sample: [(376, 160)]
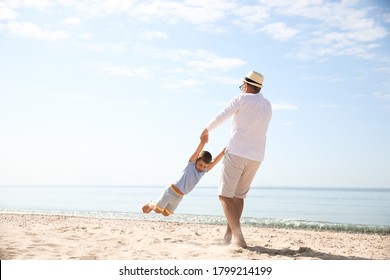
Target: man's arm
[(217, 159), (224, 115), (203, 140)]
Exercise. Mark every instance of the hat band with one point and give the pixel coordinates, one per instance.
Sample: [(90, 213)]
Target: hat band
[(252, 81)]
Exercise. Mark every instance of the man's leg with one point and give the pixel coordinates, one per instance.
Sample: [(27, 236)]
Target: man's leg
[(228, 234), (232, 208)]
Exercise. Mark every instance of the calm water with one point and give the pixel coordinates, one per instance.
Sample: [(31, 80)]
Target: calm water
[(350, 209)]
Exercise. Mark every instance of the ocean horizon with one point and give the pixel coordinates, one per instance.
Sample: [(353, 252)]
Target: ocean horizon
[(340, 209)]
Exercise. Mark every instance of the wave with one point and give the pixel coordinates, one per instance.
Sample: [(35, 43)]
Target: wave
[(285, 223), (219, 220)]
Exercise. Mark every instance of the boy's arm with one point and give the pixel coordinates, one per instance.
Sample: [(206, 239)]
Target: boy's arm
[(217, 159), (203, 140)]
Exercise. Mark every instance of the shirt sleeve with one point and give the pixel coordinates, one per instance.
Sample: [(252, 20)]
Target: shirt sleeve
[(225, 114)]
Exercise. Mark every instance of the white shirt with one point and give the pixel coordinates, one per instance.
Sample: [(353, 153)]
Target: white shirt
[(251, 116)]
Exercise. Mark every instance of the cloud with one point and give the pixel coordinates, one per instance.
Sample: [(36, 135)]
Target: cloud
[(387, 17), (212, 28), (182, 85), (152, 34), (330, 106), (382, 96), (202, 60), (126, 71), (321, 28), (279, 31), (79, 97), (326, 78), (226, 80), (341, 29), (72, 21), (199, 60), (193, 12), (283, 106), (202, 14), (217, 63), (324, 28), (101, 47), (31, 30), (40, 4), (191, 63), (258, 14), (7, 13), (327, 28), (384, 69), (99, 8)]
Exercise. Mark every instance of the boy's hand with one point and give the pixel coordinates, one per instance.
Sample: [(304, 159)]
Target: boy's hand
[(204, 138)]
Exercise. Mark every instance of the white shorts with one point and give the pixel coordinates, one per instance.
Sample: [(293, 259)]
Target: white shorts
[(169, 200), (237, 175)]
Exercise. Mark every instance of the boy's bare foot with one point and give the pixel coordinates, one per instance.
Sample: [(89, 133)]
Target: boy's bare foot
[(147, 208)]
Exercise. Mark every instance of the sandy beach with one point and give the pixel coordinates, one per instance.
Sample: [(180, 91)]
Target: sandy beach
[(57, 237)]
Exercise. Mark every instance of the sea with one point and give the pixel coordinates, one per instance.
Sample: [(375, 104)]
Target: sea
[(362, 210)]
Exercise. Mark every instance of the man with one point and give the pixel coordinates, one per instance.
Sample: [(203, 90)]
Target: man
[(251, 114)]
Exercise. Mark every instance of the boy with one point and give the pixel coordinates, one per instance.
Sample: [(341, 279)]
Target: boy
[(200, 162)]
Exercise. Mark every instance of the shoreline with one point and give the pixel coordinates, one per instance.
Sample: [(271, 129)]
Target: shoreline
[(60, 237), (218, 220)]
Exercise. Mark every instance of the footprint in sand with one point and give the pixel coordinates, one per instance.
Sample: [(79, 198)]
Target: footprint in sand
[(153, 241)]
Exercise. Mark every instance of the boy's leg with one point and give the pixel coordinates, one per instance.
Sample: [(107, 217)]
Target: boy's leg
[(160, 205), (152, 206), (173, 203), (157, 209), (166, 213), (166, 205)]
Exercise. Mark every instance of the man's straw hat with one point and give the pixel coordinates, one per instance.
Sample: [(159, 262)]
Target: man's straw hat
[(254, 78)]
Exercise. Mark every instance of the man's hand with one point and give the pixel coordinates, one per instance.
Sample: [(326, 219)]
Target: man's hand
[(204, 138), (205, 133)]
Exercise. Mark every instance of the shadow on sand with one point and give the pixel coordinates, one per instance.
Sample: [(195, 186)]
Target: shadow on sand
[(302, 252)]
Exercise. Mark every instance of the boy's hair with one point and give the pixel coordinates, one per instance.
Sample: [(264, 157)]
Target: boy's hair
[(205, 156)]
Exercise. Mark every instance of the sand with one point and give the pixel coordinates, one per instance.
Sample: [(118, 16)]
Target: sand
[(59, 237)]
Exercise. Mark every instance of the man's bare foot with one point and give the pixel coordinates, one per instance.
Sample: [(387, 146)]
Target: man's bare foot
[(240, 243), (227, 238)]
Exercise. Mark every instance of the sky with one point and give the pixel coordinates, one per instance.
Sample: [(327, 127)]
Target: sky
[(117, 93)]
